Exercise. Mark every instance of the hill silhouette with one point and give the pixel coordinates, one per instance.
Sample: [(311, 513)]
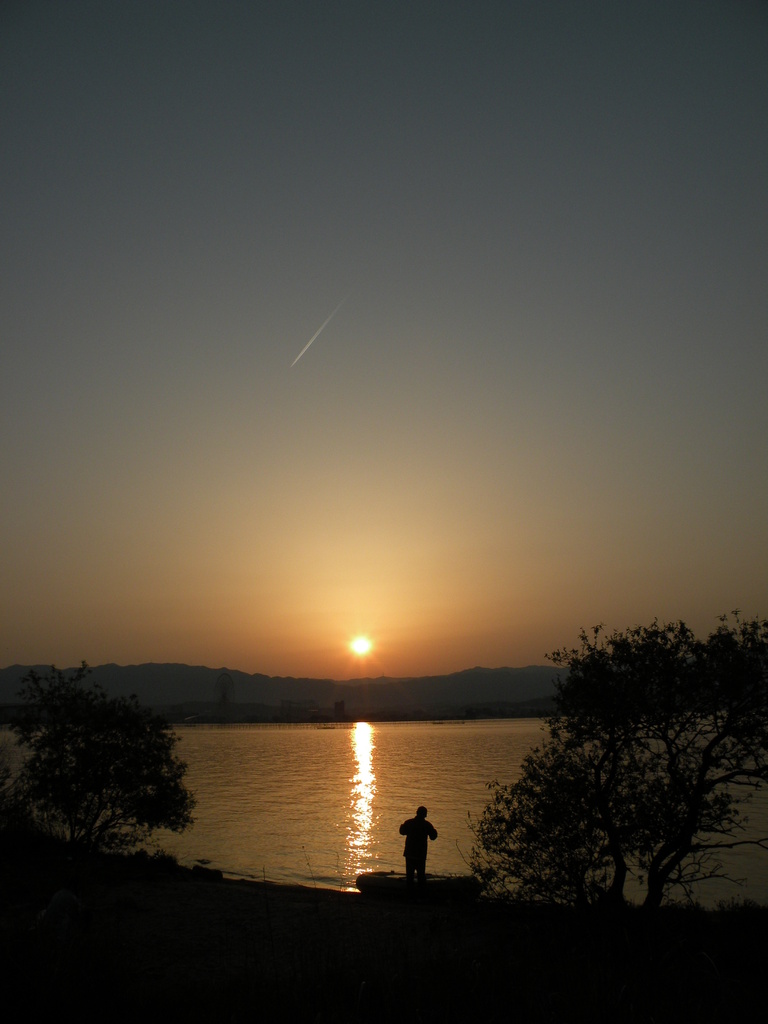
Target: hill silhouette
[(174, 686)]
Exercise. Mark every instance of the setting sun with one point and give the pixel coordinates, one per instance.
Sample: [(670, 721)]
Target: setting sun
[(361, 645)]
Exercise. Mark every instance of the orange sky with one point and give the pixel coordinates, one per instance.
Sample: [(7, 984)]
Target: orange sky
[(541, 407)]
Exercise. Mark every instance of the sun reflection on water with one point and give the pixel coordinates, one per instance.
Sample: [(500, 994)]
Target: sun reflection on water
[(361, 798)]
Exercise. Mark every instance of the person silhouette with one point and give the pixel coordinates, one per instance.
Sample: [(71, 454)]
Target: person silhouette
[(417, 831)]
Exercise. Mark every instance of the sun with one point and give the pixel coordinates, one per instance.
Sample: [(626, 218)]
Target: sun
[(361, 645)]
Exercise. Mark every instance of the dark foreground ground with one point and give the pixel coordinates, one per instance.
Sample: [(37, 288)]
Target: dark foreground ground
[(164, 943)]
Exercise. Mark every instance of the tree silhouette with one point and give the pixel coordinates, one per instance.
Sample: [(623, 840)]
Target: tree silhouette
[(658, 741), (101, 772)]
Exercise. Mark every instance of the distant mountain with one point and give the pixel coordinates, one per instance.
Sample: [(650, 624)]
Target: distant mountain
[(167, 685)]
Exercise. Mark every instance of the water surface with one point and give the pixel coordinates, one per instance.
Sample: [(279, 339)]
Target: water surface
[(320, 804), (299, 804)]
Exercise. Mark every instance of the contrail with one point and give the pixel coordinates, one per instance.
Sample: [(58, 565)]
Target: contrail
[(319, 330)]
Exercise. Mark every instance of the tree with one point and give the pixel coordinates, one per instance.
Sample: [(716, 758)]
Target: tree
[(657, 743), (540, 838), (101, 771)]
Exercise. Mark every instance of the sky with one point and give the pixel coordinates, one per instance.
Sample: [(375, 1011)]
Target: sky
[(540, 406)]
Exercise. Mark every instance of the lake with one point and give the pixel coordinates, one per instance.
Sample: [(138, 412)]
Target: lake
[(320, 804)]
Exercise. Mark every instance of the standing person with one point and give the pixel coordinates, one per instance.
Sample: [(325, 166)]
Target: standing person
[(417, 831)]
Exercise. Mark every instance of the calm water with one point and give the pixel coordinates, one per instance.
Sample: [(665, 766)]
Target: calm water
[(322, 804)]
